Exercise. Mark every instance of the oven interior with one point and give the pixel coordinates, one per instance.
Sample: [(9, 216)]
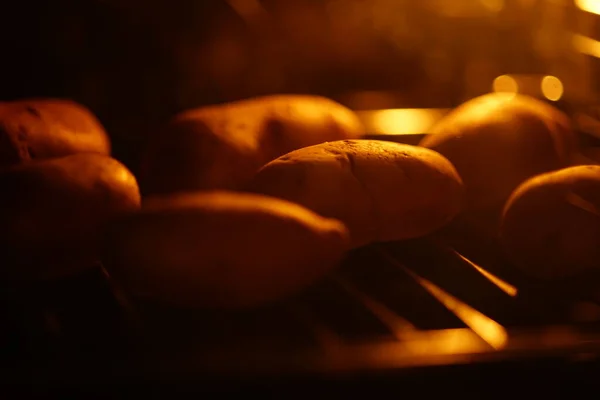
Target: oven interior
[(441, 314)]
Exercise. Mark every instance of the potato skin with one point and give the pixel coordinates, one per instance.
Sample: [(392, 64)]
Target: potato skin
[(53, 211), (498, 140), (221, 249), (382, 191), (38, 129), (551, 224), (222, 146)]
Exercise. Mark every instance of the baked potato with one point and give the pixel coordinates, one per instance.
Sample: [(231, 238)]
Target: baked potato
[(382, 191), (52, 213), (36, 129), (221, 249), (222, 146), (497, 141), (551, 224)]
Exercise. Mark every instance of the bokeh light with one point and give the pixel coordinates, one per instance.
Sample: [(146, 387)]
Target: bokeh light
[(552, 88)]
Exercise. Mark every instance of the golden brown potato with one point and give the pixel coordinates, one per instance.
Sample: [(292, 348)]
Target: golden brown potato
[(382, 191), (222, 249), (551, 224), (497, 141), (48, 128), (221, 147), (52, 212)]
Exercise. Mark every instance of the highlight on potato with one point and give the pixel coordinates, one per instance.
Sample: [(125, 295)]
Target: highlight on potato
[(222, 146), (35, 129), (221, 249), (53, 212), (498, 140), (551, 224), (383, 191)]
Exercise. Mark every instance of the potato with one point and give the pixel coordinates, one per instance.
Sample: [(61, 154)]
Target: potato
[(52, 211), (497, 141), (551, 224), (220, 249), (382, 191), (221, 147), (48, 128)]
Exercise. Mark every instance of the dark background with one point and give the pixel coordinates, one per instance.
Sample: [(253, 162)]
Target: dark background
[(135, 63)]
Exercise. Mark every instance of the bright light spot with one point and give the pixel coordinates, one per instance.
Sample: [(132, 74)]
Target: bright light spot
[(493, 5), (591, 6), (430, 344), (586, 45), (502, 285), (552, 88), (486, 328), (402, 121), (505, 84)]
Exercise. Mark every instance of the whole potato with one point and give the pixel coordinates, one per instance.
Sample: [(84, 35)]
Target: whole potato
[(551, 224), (222, 249), (221, 147), (48, 128), (52, 212), (382, 191), (497, 141)]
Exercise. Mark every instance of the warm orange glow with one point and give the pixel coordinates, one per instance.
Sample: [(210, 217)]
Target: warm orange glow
[(486, 328), (591, 6), (586, 45), (402, 121), (370, 99), (558, 336), (503, 285), (552, 88), (493, 5), (398, 325), (423, 348), (465, 8), (446, 341), (505, 84), (429, 344)]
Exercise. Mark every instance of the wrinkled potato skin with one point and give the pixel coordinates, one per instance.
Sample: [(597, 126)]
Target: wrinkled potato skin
[(222, 250), (382, 191), (551, 224), (39, 129), (222, 146), (497, 141), (53, 211)]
